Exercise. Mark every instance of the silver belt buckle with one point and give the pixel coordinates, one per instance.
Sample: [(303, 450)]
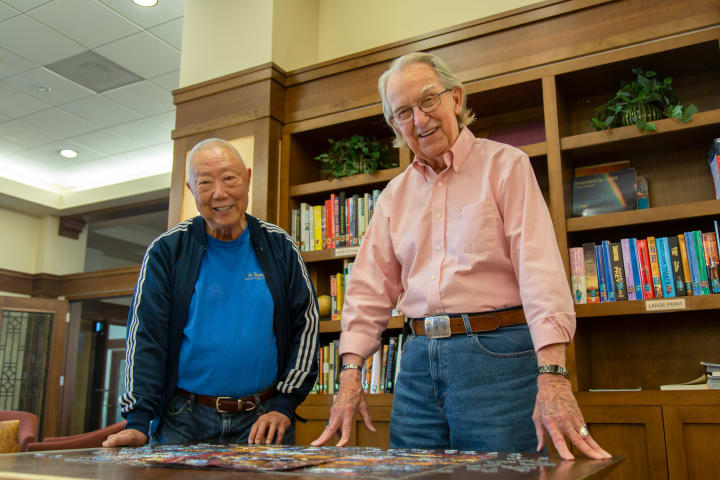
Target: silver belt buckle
[(437, 326)]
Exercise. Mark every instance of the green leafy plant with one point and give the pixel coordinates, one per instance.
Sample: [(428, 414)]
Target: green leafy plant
[(353, 155), (641, 101)]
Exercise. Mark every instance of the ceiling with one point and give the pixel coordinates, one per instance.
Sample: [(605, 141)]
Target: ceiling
[(120, 134)]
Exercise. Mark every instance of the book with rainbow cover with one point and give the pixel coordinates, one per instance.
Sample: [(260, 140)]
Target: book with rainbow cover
[(605, 192)]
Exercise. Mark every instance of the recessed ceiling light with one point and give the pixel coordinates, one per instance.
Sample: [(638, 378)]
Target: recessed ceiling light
[(145, 3), (43, 88), (67, 153)]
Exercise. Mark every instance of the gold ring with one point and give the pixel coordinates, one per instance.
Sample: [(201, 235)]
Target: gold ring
[(584, 432)]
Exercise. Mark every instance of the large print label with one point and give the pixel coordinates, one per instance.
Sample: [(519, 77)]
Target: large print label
[(346, 251), (664, 304)]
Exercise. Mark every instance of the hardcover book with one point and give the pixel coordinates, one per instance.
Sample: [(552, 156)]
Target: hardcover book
[(685, 264), (618, 273), (677, 266), (702, 268), (644, 261), (692, 261), (627, 264), (711, 260), (666, 276), (577, 275), (591, 273), (637, 270), (605, 193), (607, 266), (654, 267), (602, 277)]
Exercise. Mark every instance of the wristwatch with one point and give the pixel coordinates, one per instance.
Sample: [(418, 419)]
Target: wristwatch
[(554, 369), (351, 366)]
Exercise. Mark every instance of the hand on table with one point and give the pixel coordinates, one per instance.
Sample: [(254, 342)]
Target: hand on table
[(269, 428), (126, 438)]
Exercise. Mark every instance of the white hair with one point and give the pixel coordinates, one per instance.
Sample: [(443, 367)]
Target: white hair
[(445, 76), (204, 145)]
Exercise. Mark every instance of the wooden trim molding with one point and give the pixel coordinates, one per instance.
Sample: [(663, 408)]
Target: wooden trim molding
[(71, 227), (78, 286)]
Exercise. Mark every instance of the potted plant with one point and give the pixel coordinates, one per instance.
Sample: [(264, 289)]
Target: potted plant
[(640, 102), (353, 155)]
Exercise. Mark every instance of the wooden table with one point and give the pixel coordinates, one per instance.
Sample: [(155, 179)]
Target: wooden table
[(58, 465)]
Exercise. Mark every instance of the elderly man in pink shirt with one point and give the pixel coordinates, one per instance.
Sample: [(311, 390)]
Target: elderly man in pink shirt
[(463, 244)]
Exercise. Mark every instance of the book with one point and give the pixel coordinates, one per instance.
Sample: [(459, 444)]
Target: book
[(591, 273), (666, 275), (607, 266), (711, 261), (636, 269), (602, 168), (702, 268), (577, 275), (685, 264), (692, 261), (644, 262), (643, 196), (604, 193), (676, 266), (713, 160), (654, 267), (699, 383), (618, 272), (602, 277), (628, 270)]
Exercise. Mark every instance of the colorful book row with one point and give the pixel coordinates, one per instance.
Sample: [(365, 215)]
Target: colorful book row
[(646, 268), (338, 286), (340, 222), (379, 372)]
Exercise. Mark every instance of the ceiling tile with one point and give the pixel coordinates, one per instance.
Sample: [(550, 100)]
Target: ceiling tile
[(59, 122), (50, 153), (106, 142), (24, 134), (3, 118), (100, 110), (169, 81), (165, 120), (171, 32), (143, 97), (80, 19), (6, 11), (157, 56), (11, 64), (142, 131), (61, 90), (8, 147), (148, 17), (36, 42), (16, 104), (25, 5)]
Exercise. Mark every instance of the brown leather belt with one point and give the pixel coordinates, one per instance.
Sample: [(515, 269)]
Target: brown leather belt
[(230, 404), (480, 322)]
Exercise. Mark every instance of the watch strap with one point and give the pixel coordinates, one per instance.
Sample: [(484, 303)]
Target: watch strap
[(554, 369)]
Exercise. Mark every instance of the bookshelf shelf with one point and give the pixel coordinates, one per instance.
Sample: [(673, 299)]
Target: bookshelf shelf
[(322, 186), (640, 307), (650, 397), (535, 149), (312, 256), (326, 400), (650, 215), (330, 326), (583, 140)]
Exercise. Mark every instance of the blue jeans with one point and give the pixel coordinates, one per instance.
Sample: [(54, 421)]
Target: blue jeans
[(185, 421), (467, 392)]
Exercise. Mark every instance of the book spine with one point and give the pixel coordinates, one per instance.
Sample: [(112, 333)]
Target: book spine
[(336, 220), (390, 371), (686, 265), (607, 266), (342, 220), (666, 276), (627, 263), (644, 260), (654, 267), (577, 275), (618, 272), (591, 274), (602, 278), (711, 260), (317, 227), (702, 268), (333, 297), (637, 270), (692, 260), (329, 230), (677, 266)]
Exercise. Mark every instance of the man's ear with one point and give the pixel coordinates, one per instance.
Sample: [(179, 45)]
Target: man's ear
[(457, 94), (249, 175)]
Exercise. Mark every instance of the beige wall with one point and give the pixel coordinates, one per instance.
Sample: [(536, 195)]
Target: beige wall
[(32, 245), (224, 36), (295, 33), (347, 26)]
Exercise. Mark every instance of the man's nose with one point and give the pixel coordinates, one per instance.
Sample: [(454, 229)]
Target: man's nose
[(420, 118), (218, 190)]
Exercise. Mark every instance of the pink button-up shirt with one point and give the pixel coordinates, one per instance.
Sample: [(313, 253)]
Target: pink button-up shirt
[(475, 237)]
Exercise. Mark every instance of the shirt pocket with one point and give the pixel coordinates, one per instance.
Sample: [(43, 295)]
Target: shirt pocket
[(477, 227)]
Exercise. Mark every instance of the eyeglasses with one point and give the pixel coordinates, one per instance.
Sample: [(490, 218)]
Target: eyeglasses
[(429, 102)]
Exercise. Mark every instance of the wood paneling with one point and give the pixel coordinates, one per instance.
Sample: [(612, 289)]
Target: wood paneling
[(693, 436)]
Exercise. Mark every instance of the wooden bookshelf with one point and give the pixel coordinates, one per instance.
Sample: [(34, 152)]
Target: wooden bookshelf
[(337, 184), (312, 256), (333, 326), (650, 215), (642, 307)]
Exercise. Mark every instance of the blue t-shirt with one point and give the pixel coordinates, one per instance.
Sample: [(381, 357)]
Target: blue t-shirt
[(228, 346)]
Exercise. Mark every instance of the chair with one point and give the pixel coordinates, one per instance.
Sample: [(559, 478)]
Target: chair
[(28, 426), (81, 440)]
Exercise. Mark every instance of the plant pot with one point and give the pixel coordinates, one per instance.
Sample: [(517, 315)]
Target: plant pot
[(641, 111)]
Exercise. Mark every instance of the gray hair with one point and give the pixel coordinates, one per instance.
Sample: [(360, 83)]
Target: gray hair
[(445, 76), (206, 144)]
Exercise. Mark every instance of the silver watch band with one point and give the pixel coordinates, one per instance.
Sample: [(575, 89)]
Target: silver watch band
[(554, 369), (351, 366)]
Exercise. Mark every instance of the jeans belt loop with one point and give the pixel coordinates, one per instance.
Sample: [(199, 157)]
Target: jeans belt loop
[(468, 327), (412, 329)]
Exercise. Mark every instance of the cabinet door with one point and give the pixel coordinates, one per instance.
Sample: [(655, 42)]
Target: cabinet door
[(636, 432), (317, 417), (692, 434)]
